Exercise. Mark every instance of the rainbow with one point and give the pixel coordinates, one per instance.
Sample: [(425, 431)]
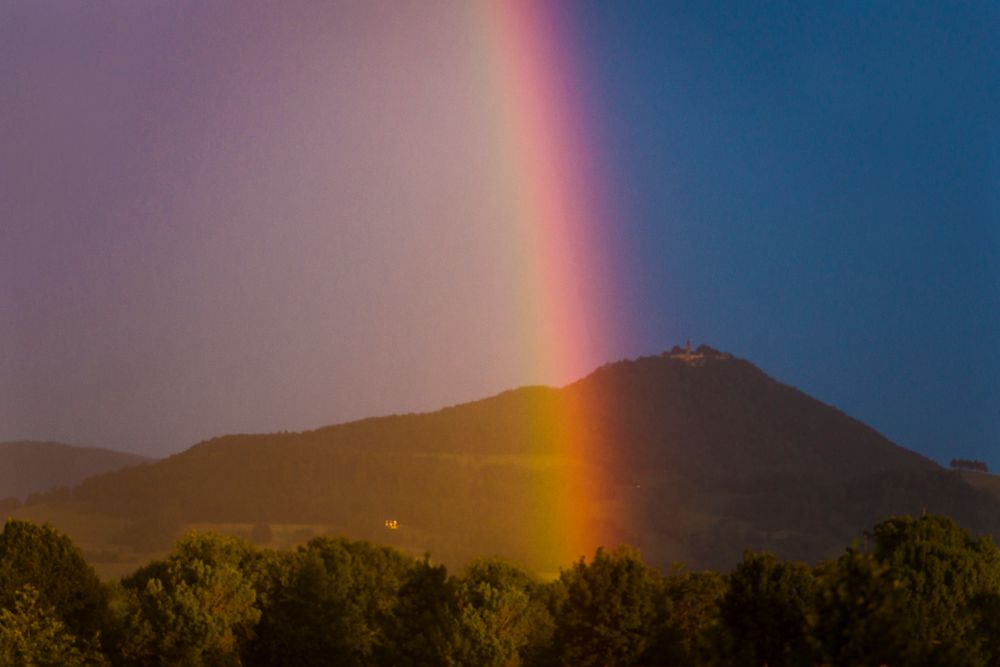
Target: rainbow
[(542, 144)]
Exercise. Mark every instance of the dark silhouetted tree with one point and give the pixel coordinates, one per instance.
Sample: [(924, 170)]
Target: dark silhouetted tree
[(426, 626), (687, 618), (764, 612), (329, 603), (606, 613), (857, 617)]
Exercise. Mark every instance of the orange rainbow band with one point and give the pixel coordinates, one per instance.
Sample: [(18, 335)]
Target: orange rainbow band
[(541, 144)]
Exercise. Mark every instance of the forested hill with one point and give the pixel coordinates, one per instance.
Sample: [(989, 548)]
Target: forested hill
[(704, 454), (33, 467)]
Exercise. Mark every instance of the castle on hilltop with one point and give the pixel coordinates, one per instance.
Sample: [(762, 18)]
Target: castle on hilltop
[(695, 357)]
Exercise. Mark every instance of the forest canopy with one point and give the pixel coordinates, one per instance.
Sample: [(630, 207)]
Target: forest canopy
[(923, 592)]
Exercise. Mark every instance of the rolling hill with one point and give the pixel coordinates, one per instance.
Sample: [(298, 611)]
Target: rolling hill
[(35, 467), (700, 455)]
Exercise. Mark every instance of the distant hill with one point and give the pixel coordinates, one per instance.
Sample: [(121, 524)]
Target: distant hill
[(696, 456), (28, 467)]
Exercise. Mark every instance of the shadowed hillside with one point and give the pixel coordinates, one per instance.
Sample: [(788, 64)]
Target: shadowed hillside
[(702, 455), (34, 467)]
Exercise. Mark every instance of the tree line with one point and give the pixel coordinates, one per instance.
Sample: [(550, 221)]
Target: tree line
[(967, 464), (919, 592)]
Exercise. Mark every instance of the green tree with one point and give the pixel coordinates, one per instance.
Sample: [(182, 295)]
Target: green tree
[(194, 608), (49, 562), (605, 615), (764, 612), (425, 628), (329, 603), (501, 619), (986, 610), (947, 578), (32, 635), (858, 617), (687, 618)]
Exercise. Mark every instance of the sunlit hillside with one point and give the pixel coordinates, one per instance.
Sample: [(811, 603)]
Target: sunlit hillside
[(702, 455)]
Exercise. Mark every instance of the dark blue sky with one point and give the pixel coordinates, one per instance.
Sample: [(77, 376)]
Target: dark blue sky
[(816, 187), (271, 216)]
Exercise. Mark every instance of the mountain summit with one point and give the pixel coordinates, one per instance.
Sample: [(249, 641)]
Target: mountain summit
[(692, 455)]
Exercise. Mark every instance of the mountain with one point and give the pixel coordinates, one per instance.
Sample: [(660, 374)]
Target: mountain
[(690, 456), (34, 467)]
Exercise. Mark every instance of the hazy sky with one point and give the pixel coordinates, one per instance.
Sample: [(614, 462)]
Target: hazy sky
[(248, 216)]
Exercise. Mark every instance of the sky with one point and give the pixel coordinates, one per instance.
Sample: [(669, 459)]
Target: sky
[(239, 217)]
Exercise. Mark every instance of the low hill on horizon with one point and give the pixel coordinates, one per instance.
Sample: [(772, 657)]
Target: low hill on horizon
[(30, 466), (699, 456)]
